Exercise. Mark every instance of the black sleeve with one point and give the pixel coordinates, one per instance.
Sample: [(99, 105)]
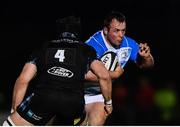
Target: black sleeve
[(35, 58), (91, 54)]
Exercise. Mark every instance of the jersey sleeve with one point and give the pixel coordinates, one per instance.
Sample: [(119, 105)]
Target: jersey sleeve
[(91, 54), (35, 58), (135, 49), (97, 43)]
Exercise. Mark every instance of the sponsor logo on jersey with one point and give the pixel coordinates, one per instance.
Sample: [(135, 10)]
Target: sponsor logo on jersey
[(59, 71), (123, 55)]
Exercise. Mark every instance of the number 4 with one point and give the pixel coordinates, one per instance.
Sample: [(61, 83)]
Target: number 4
[(60, 55)]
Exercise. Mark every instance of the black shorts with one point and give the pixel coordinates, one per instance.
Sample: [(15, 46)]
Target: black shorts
[(92, 89), (77, 121), (39, 107)]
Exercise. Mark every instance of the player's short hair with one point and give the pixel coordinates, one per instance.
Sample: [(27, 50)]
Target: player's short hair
[(69, 24), (113, 15)]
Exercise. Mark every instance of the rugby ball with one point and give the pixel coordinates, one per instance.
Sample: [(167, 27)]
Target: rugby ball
[(110, 60)]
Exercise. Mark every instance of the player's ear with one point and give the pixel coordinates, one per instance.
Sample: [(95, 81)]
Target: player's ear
[(105, 30)]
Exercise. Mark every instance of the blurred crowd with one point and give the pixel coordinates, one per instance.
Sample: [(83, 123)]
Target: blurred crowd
[(145, 103)]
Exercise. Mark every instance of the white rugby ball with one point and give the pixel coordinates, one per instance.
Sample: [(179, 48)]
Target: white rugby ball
[(110, 60)]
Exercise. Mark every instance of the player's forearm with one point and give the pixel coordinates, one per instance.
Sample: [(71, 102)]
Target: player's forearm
[(103, 78), (106, 87), (117, 73), (18, 93), (91, 76), (22, 82), (147, 62)]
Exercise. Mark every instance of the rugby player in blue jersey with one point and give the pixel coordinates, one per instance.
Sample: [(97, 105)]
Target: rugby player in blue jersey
[(112, 38)]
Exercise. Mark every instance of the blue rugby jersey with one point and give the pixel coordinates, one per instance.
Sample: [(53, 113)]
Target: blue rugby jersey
[(128, 49)]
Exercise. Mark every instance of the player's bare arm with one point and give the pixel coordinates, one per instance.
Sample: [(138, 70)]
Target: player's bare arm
[(117, 72), (90, 76), (21, 84), (105, 82), (103, 78), (109, 60), (146, 60)]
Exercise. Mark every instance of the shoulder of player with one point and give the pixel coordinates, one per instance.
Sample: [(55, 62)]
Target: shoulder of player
[(128, 41), (95, 37), (96, 40)]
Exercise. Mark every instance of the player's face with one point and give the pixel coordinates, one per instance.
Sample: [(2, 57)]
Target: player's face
[(116, 31)]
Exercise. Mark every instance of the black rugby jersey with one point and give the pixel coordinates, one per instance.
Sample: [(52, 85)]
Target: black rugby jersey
[(62, 65)]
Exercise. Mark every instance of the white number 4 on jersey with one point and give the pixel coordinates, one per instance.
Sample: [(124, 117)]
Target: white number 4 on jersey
[(60, 55)]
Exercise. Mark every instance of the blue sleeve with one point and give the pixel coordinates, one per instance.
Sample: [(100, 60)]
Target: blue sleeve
[(96, 46), (135, 49)]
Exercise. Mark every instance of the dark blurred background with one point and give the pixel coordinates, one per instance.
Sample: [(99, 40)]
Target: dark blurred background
[(141, 97)]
